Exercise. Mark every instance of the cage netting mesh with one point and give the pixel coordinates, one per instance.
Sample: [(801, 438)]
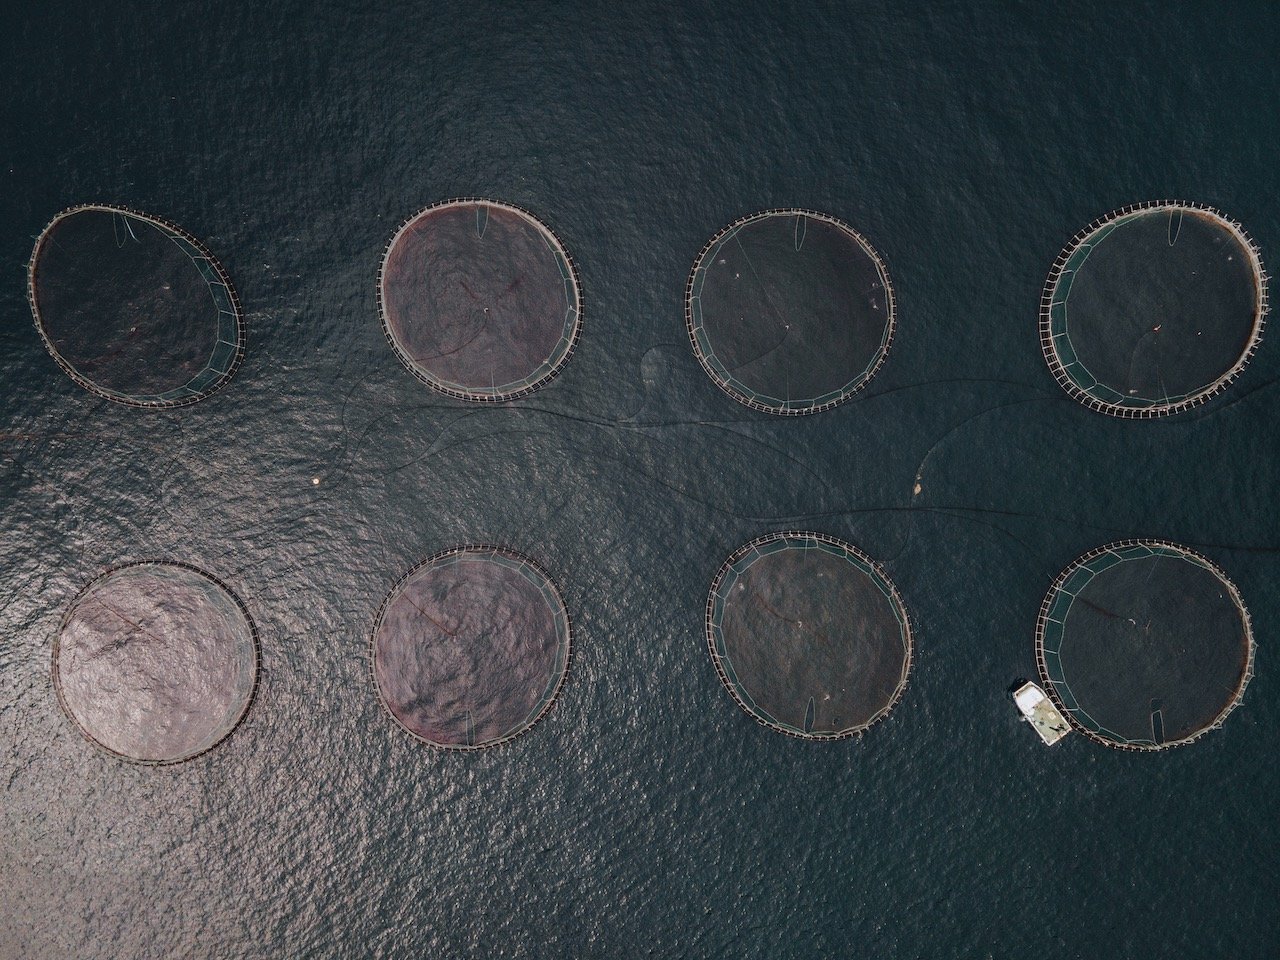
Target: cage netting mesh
[(790, 311), (471, 647), (1144, 644), (1153, 309), (133, 307), (808, 635), (156, 661), (479, 300)]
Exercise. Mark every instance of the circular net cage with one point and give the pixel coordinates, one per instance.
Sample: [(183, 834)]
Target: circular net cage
[(790, 311), (134, 308), (479, 300), (471, 648), (808, 635), (156, 662), (1155, 308), (1144, 645)]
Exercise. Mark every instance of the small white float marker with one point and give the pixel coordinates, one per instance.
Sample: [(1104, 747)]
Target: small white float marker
[(1039, 711)]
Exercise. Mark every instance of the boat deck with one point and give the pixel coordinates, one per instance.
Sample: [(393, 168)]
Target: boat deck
[(1040, 712)]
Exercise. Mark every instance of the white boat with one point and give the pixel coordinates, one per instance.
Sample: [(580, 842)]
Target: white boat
[(1039, 711)]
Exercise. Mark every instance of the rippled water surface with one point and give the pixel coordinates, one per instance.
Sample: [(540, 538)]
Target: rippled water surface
[(646, 815)]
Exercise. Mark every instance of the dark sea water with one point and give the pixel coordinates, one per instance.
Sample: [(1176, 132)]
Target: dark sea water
[(646, 815)]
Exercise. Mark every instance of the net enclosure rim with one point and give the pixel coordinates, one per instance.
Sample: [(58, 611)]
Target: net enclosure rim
[(560, 613), (558, 248), (1168, 546), (870, 568), (743, 396), (1048, 301), (254, 637), (167, 226)]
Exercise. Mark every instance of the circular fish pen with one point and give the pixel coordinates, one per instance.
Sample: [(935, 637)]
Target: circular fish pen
[(471, 648), (133, 308), (1153, 309), (808, 635), (479, 300), (1144, 645), (156, 662), (789, 311)]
